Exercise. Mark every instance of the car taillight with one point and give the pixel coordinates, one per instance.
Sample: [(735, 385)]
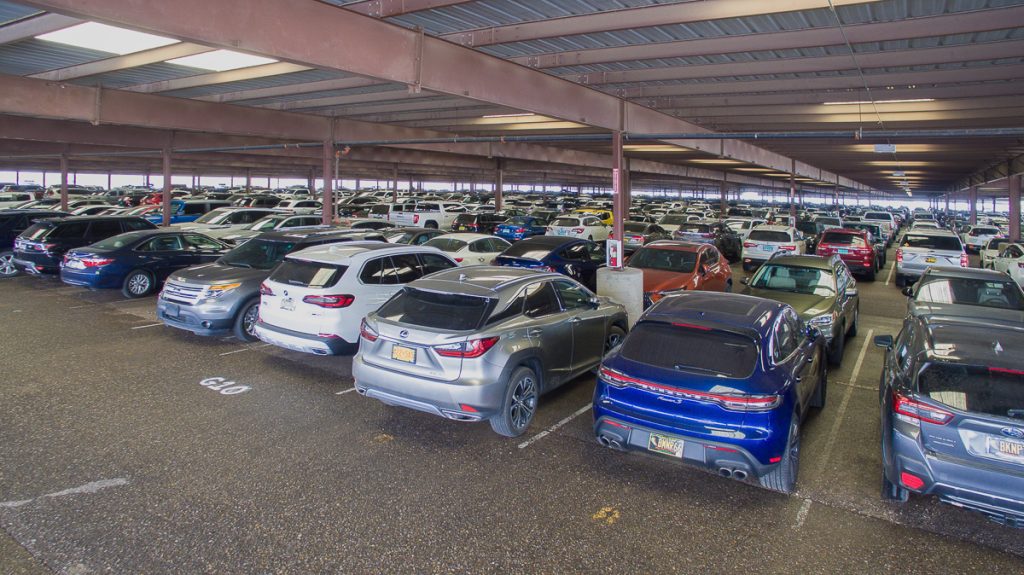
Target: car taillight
[(467, 349), (788, 248), (415, 218), (330, 301), (899, 256), (265, 289), (636, 238), (963, 260), (459, 260), (911, 481), (96, 262), (578, 230), (732, 402), (366, 332), (915, 411), (749, 245), (708, 236), (520, 230)]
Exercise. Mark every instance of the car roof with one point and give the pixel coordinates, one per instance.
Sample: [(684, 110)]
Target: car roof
[(973, 341), (549, 241), (931, 232), (70, 219), (966, 273), (466, 237), (481, 281), (676, 245), (343, 253), (719, 310), (804, 261), (772, 228), (300, 235)]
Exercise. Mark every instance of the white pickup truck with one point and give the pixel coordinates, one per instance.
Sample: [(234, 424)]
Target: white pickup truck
[(434, 215)]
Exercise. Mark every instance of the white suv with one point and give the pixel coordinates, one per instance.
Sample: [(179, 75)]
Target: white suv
[(433, 215), (316, 298), (764, 242)]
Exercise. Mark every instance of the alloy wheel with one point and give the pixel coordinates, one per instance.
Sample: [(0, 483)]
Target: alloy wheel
[(524, 402), (7, 265), (249, 321), (139, 284)]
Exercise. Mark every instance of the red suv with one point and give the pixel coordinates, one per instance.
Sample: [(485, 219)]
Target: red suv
[(853, 247)]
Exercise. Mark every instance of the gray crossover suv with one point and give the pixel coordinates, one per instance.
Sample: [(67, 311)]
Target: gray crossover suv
[(484, 342)]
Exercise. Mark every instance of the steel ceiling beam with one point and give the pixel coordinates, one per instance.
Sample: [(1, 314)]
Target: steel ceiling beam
[(642, 17), (35, 26), (291, 89), (154, 56), (863, 110), (392, 8), (329, 101), (322, 36), (241, 74), (991, 173)]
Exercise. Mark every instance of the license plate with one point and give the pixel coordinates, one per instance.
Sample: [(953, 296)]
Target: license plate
[(844, 251), (172, 310), (1005, 448), (929, 260), (288, 304), (666, 445), (406, 354), (768, 248), (75, 265)]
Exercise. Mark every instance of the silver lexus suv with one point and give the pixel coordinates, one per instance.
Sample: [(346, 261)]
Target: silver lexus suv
[(484, 342), (922, 249)]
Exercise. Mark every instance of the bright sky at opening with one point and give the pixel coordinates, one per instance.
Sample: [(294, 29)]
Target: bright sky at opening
[(96, 36), (221, 60)]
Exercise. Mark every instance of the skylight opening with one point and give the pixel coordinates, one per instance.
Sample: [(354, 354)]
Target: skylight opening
[(221, 60), (105, 38)]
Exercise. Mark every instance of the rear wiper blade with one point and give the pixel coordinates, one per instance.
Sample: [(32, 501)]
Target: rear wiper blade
[(682, 367)]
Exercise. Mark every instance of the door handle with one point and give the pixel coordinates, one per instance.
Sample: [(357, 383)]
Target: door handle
[(534, 332)]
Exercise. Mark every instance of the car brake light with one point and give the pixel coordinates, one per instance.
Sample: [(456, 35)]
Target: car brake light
[(520, 230), (915, 410), (963, 260), (578, 230), (788, 248), (749, 245), (459, 260), (415, 218), (466, 349), (330, 301), (367, 332), (265, 289), (708, 236), (911, 481), (731, 402), (691, 326), (96, 262), (899, 256)]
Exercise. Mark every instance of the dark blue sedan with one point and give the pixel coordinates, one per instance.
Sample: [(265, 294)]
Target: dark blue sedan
[(521, 227), (137, 262), (716, 380), (576, 258)]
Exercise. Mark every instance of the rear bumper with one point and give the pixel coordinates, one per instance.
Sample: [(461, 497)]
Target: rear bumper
[(35, 262), (93, 280), (304, 342)]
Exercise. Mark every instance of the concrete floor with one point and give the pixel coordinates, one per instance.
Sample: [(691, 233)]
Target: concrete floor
[(116, 459)]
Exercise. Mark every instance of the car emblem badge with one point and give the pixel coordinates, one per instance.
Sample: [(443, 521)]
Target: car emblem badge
[(286, 293), (1014, 432), (403, 334)]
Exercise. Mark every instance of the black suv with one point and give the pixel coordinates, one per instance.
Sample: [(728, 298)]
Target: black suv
[(482, 223), (12, 224), (41, 247)]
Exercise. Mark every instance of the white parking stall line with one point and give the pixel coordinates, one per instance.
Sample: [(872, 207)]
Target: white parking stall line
[(81, 306), (344, 391), (250, 348), (147, 325), (834, 432), (892, 270), (801, 515), (554, 427)]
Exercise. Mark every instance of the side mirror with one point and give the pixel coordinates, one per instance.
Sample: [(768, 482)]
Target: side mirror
[(884, 341), (745, 281), (908, 291), (813, 332), (595, 302)]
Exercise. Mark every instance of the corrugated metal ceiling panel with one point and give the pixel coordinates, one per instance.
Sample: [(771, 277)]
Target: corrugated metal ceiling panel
[(33, 56), (10, 11), (139, 75), (268, 82), (327, 94)]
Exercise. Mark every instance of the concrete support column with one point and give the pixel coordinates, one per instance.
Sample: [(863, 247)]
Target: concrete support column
[(947, 202), (248, 179), (394, 183), (792, 191), (311, 181), (972, 195), (1013, 182), (109, 180), (64, 182), (328, 199), (723, 190), (619, 208), (166, 199), (499, 185)]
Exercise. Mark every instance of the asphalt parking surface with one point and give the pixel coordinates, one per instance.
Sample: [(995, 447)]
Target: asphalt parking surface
[(114, 458)]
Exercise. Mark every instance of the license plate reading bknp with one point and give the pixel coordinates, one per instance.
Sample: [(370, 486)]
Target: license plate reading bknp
[(665, 444), (1006, 449), (406, 354)]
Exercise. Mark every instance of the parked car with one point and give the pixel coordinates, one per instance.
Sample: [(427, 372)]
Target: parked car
[(578, 259), (991, 251), (638, 234), (579, 226), (411, 236), (763, 242), (41, 247), (853, 247), (977, 237), (470, 249), (137, 262), (481, 223), (953, 423), (315, 299), (237, 235), (226, 218), (920, 249), (723, 237), (720, 381), (300, 206), (521, 227), (820, 289), (13, 199), (874, 231), (671, 267), (12, 224), (223, 297), (1011, 262), (811, 231), (742, 226), (184, 211), (888, 223), (484, 343), (672, 222), (434, 215), (967, 292)]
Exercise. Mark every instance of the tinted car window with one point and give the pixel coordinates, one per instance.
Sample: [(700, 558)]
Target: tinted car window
[(446, 244), (974, 388), (811, 281), (193, 209), (662, 259), (455, 312), (257, 253), (104, 228), (69, 230), (161, 244), (944, 243), (541, 300), (843, 239), (572, 295), (307, 274), (968, 291), (676, 348), (434, 263), (201, 243), (769, 236), (400, 269), (528, 251)]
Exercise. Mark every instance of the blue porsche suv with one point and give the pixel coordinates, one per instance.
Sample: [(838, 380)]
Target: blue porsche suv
[(717, 380)]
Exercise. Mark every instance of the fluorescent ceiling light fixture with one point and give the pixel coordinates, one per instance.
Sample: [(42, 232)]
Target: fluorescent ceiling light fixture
[(221, 60), (754, 170), (908, 101), (96, 36), (517, 115), (717, 162), (653, 148)]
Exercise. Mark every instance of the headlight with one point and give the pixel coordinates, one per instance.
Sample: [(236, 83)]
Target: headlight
[(823, 320), (216, 291)]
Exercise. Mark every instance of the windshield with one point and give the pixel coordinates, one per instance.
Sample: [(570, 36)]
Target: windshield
[(267, 223), (520, 221), (673, 219), (636, 227), (214, 216), (665, 260), (944, 243), (446, 244), (443, 311), (843, 239), (769, 236), (37, 231), (399, 237), (984, 231), (977, 389), (566, 222), (739, 224), (719, 353), (810, 281), (828, 221), (258, 253), (696, 229), (971, 291)]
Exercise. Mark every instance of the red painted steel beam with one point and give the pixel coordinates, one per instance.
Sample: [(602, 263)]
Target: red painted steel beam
[(154, 56), (391, 8)]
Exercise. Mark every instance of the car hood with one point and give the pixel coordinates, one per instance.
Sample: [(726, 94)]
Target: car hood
[(218, 273), (971, 311), (807, 306), (659, 280)]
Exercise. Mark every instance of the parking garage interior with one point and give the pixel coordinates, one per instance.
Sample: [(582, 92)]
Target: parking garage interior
[(120, 451)]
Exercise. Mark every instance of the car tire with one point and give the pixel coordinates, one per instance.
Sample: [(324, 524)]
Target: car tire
[(835, 354), (138, 283), (7, 267), (901, 282), (852, 332), (431, 225), (615, 336), (818, 399), (783, 477), (520, 403), (870, 276), (893, 492), (245, 321)]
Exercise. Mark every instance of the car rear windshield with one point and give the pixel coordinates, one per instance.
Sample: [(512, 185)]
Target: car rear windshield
[(446, 244), (715, 352), (214, 216), (37, 231), (977, 389), (527, 250), (943, 243), (769, 236), (662, 259), (829, 221), (260, 254), (465, 218), (796, 279), (843, 239), (984, 231), (566, 222), (673, 219), (696, 229), (993, 244), (307, 274), (447, 311), (971, 291), (878, 216)]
